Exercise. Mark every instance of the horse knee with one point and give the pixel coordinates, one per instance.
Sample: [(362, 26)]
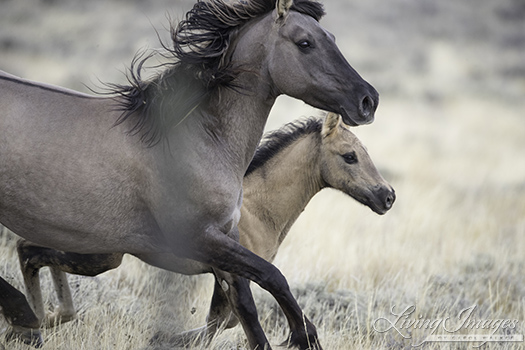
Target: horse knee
[(274, 281)]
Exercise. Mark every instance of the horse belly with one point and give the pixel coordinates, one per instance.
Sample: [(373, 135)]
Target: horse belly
[(78, 221), (73, 203)]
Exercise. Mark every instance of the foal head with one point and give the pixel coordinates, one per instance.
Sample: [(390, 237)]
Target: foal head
[(346, 166)]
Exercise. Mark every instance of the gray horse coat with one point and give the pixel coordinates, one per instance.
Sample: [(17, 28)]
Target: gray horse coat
[(75, 176)]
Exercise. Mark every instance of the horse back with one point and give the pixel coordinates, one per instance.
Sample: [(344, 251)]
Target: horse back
[(6, 78), (65, 167)]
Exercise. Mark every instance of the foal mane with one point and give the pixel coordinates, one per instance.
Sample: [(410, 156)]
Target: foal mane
[(199, 65), (275, 141)]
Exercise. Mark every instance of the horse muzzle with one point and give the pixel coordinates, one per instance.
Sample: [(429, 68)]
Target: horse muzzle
[(384, 198), (365, 111)]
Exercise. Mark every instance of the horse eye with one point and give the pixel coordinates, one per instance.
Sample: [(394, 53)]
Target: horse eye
[(304, 44), (350, 157)]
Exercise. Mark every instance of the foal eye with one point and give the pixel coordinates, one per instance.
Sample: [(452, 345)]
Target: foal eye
[(304, 44), (350, 157)]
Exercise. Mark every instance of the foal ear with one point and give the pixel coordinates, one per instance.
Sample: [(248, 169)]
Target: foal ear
[(282, 7), (330, 124)]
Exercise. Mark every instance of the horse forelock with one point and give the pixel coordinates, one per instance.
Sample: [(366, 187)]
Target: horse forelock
[(198, 64)]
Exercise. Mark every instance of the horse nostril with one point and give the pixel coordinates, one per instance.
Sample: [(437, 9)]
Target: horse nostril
[(366, 107), (389, 200)]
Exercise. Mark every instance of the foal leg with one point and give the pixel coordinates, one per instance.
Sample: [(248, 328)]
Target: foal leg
[(220, 316), (224, 253), (33, 257), (238, 299), (23, 321)]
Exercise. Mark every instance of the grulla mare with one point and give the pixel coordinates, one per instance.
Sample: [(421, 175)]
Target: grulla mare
[(290, 166), (157, 167)]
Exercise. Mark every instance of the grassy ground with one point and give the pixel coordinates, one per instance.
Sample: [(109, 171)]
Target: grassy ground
[(449, 135)]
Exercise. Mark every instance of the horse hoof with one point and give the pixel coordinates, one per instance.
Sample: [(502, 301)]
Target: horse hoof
[(26, 335)]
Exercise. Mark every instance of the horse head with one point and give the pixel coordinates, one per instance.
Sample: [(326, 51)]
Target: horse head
[(301, 59)]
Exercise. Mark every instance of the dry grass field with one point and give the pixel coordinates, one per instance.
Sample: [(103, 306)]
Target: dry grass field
[(449, 136)]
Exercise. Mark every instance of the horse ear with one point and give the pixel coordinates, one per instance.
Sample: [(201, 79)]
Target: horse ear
[(331, 123), (282, 7)]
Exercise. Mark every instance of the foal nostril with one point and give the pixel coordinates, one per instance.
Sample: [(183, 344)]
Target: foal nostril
[(366, 107)]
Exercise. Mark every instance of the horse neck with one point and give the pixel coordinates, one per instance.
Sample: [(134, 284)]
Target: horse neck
[(240, 118), (235, 117), (283, 186), (230, 123)]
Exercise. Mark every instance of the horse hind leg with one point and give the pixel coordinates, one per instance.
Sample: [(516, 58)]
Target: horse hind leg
[(30, 273), (23, 321), (33, 258)]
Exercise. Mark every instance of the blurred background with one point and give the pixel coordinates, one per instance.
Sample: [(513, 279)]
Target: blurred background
[(409, 49), (449, 136)]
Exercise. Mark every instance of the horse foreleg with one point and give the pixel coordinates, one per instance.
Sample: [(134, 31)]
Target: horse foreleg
[(23, 321), (224, 253), (33, 258)]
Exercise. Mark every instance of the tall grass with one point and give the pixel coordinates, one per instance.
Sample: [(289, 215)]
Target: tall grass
[(449, 135), (454, 239)]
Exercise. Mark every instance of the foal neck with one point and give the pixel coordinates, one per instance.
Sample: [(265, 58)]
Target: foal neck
[(282, 187)]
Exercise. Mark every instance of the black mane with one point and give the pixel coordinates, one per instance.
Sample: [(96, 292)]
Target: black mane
[(275, 141), (198, 65)]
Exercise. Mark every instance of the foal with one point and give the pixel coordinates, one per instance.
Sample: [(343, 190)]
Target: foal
[(290, 166)]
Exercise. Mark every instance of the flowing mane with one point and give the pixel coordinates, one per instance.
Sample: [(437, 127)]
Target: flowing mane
[(275, 141), (199, 65)]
